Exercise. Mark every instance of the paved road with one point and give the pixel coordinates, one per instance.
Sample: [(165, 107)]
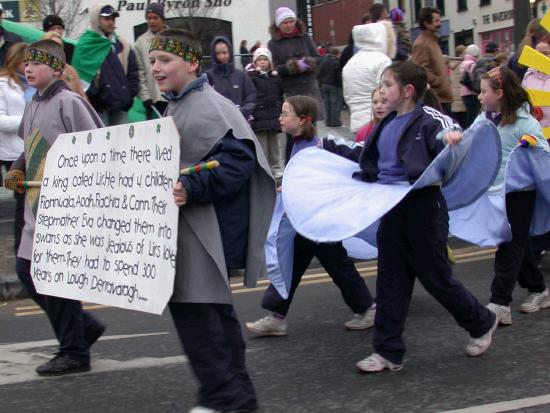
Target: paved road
[(138, 366)]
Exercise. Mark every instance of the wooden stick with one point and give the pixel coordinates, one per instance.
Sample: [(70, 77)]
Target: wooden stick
[(203, 166), (29, 184)]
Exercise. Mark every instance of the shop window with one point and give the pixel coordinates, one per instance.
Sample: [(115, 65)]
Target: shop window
[(484, 3), (417, 6), (462, 5)]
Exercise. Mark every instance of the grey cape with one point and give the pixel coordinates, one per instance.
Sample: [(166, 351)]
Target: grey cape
[(203, 117)]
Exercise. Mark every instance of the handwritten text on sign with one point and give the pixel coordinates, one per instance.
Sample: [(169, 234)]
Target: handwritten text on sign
[(106, 226)]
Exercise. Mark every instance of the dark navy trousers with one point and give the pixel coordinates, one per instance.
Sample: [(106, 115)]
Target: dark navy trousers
[(339, 267), (412, 243), (72, 325), (514, 260), (212, 340)]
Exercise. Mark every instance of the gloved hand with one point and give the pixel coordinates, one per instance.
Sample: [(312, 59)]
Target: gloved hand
[(147, 104), (302, 65), (12, 178)]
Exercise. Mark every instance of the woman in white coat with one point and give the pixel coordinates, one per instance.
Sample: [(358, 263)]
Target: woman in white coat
[(362, 73), (14, 92)]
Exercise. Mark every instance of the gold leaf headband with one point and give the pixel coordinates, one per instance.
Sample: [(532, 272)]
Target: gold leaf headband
[(176, 47), (36, 55), (496, 75)]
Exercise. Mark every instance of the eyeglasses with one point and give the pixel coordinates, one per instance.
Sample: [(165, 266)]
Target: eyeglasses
[(283, 115)]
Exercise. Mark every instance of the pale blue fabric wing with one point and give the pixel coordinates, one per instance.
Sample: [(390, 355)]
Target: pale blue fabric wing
[(279, 247), (325, 204)]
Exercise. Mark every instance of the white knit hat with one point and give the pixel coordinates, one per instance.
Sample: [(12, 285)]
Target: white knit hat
[(472, 50), (282, 14), (262, 51)]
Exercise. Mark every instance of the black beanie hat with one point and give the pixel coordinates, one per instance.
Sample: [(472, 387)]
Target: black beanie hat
[(52, 20), (157, 8)]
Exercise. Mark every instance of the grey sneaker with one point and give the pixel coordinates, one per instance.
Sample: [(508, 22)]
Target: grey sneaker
[(503, 312), (478, 346), (268, 326), (535, 301), (375, 363), (362, 321)]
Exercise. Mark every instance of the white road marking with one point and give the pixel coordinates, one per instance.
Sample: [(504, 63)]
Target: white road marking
[(506, 406), (18, 360)]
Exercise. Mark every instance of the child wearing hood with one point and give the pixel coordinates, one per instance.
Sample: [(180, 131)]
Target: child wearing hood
[(269, 100), (231, 83), (362, 73)]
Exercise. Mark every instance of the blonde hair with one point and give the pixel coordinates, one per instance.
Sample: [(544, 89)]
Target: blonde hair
[(14, 57)]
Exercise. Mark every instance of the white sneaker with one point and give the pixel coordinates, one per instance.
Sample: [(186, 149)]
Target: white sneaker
[(478, 346), (362, 321), (200, 409), (503, 312), (268, 326), (535, 301), (375, 363)]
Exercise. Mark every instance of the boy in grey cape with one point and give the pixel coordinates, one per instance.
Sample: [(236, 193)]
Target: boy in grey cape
[(223, 222), (54, 110)]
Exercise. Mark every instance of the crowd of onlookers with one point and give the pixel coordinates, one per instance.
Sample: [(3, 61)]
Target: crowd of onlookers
[(110, 72)]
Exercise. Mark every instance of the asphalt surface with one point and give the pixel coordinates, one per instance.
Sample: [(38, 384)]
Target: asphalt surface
[(138, 365)]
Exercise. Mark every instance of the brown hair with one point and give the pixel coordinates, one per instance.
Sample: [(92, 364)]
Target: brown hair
[(409, 73), (306, 108), (425, 15), (14, 56), (514, 96)]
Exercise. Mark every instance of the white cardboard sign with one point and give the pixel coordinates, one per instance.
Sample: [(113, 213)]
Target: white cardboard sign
[(106, 224)]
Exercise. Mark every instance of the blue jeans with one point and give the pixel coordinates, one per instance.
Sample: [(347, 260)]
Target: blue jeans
[(114, 117)]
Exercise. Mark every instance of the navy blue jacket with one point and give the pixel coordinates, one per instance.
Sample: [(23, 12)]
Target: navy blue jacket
[(417, 148), (114, 88), (269, 92), (227, 188), (231, 83)]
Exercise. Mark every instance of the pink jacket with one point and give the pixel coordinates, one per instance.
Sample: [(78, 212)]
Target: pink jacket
[(467, 65), (536, 80)]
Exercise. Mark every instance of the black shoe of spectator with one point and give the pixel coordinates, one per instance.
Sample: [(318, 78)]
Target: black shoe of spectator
[(63, 364)]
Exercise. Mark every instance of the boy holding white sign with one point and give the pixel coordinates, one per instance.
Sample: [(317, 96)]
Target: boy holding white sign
[(53, 110), (224, 218)]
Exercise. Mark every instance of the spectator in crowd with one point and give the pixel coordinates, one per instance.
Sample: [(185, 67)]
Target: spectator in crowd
[(54, 23), (232, 83), (377, 12), (6, 39), (107, 62), (533, 34), (245, 54), (256, 44), (149, 92), (269, 100), (351, 49), (426, 52), (539, 81), (501, 59), (15, 92), (402, 36), (483, 64), (69, 75), (362, 73), (379, 112), (330, 80), (294, 58), (457, 107), (469, 96)]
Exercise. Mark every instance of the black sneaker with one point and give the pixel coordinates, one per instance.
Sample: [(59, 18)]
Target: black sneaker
[(64, 364), (93, 336)]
